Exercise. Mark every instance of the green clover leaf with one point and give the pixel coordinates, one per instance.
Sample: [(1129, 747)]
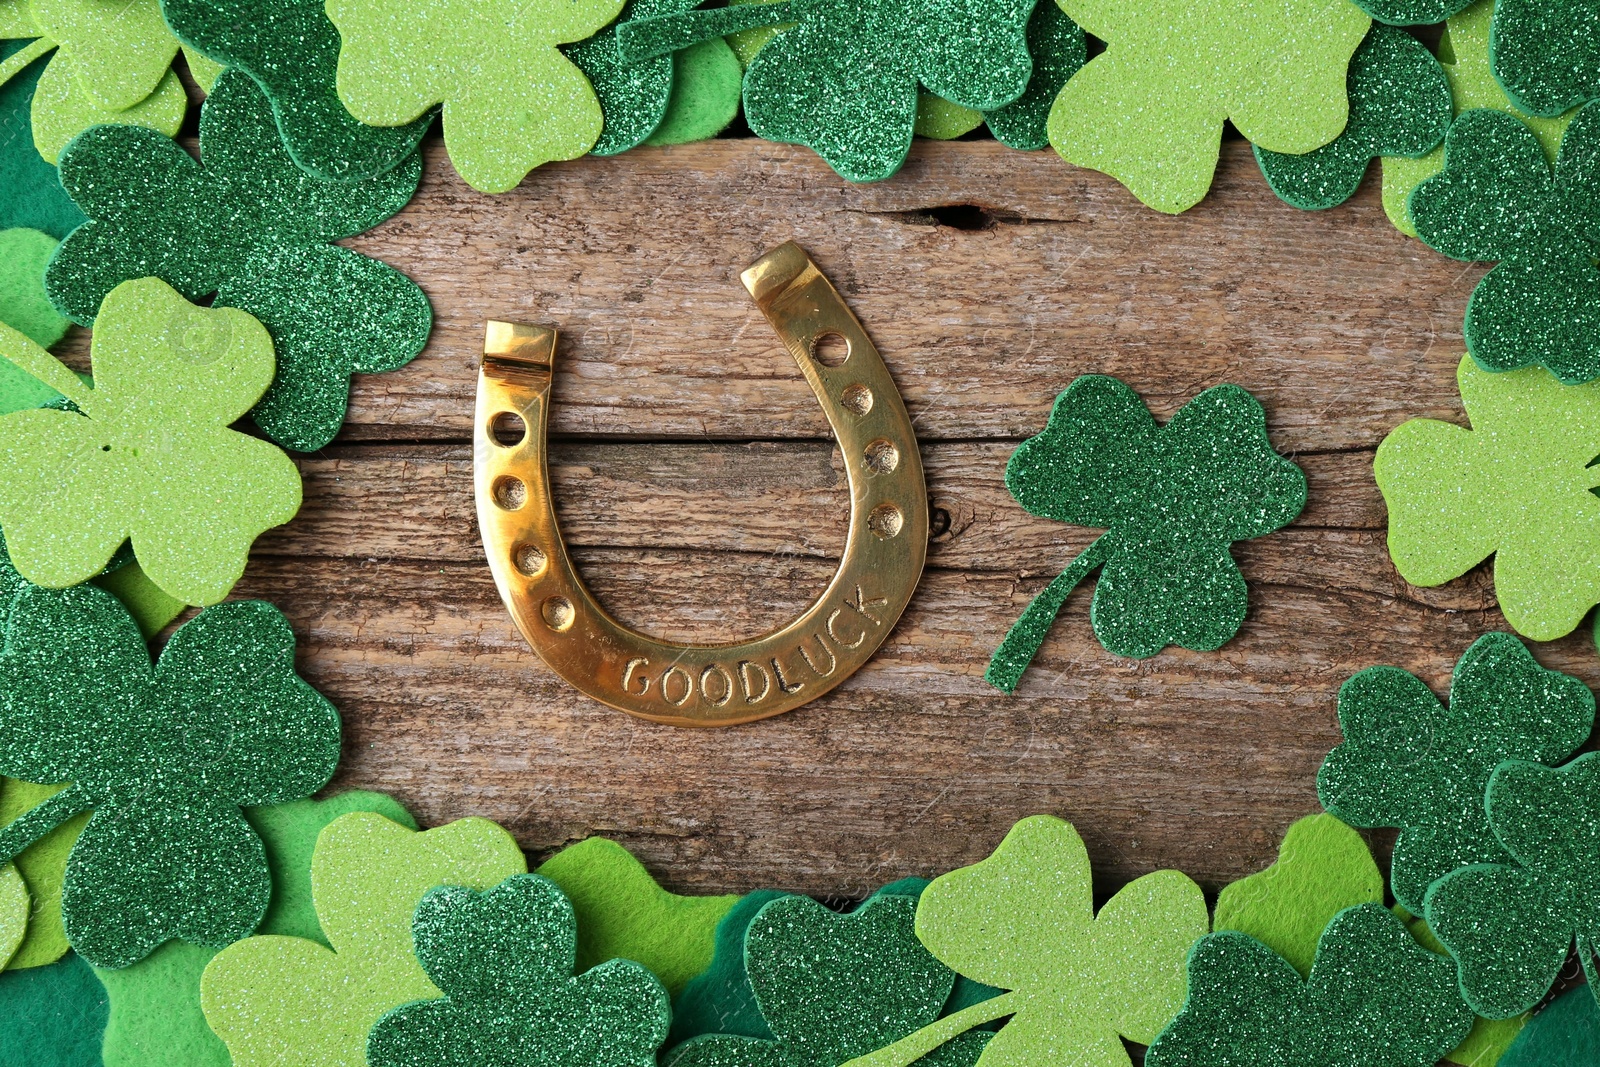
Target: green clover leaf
[(25, 308), (1510, 926), (1498, 199), (1564, 1033), (164, 755), (34, 198), (14, 909), (1399, 106), (512, 101), (1412, 762), (1516, 485), (148, 454), (1059, 51), (1411, 12), (1149, 110), (1024, 920), (1374, 997), (257, 230), (1174, 498), (1546, 56), (280, 1000), (504, 960), (831, 987), (291, 49)]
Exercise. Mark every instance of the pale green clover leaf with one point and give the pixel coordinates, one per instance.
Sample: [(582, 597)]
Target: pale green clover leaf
[(148, 454), (512, 101)]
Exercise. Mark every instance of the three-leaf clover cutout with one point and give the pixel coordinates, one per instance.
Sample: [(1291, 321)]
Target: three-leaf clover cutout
[(1499, 199), (1413, 762), (504, 960), (1517, 485), (165, 754), (1546, 55), (1173, 499)]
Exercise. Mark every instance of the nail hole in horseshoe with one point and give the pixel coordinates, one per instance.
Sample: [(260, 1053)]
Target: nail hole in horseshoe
[(886, 521), (830, 350), (529, 560), (509, 492), (508, 429), (557, 612)]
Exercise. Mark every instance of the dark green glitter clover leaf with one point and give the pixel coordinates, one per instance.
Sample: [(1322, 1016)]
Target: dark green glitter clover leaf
[(1059, 51), (833, 987), (1410, 761), (504, 960), (165, 755), (1374, 998), (1172, 498), (1510, 926), (842, 76), (1546, 56), (291, 49), (1399, 106), (1411, 12), (252, 227), (1498, 199)]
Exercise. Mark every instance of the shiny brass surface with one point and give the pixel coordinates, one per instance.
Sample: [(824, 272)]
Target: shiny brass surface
[(710, 685)]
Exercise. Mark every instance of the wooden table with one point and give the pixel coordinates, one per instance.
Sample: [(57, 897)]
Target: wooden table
[(696, 479)]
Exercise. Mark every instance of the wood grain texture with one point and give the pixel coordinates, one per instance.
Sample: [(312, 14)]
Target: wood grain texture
[(695, 477)]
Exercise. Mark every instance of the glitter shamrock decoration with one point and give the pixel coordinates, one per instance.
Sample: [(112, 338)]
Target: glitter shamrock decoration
[(1023, 920), (148, 454), (1174, 498), (1411, 12), (165, 755), (1511, 926), (504, 960), (257, 230), (512, 101), (1518, 485), (1149, 110), (1399, 106), (1411, 762), (1499, 199), (1374, 997), (842, 76), (831, 987), (291, 49), (1547, 55)]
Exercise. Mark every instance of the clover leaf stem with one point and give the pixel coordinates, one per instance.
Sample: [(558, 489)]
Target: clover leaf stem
[(913, 1047), (662, 35), (30, 358), (1028, 633), (40, 820), (19, 61)]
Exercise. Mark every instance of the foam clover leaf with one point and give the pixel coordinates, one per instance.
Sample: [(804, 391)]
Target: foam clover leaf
[(1374, 997), (1410, 761), (1546, 56), (14, 909), (841, 76), (277, 999), (1059, 51), (34, 198), (25, 308), (504, 960), (291, 49), (512, 101), (1511, 926), (1411, 12), (148, 454), (256, 230), (1498, 199), (1516, 485), (831, 987), (1399, 106), (1149, 110), (1174, 499), (165, 755)]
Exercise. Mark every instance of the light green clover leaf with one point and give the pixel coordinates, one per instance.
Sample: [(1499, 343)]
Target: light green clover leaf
[(1516, 485), (62, 109), (14, 907), (1024, 920), (512, 101), (148, 454), (1149, 110)]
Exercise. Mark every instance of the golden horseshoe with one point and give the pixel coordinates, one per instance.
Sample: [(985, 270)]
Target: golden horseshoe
[(710, 685)]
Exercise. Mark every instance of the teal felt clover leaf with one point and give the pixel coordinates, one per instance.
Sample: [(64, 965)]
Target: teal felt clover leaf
[(841, 76), (147, 455), (1023, 920), (1374, 998), (1546, 56), (1399, 106), (1412, 762), (256, 230), (291, 49), (512, 101), (504, 960), (1511, 926), (165, 755), (1172, 498), (1499, 199), (831, 987)]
